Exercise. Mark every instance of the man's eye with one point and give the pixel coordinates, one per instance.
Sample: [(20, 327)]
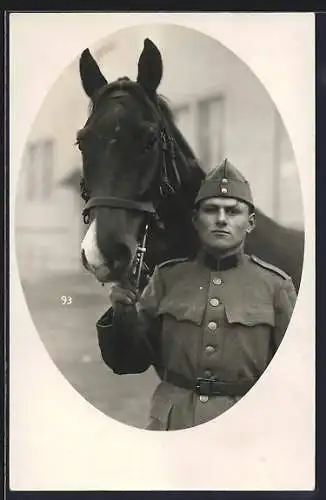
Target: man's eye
[(234, 211)]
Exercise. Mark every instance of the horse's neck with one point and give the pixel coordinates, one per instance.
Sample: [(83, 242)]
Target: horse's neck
[(281, 246), (177, 238)]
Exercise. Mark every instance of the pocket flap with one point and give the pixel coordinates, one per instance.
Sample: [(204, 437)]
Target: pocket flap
[(250, 315), (184, 306)]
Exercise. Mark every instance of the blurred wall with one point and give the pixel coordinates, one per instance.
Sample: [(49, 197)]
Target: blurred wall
[(220, 106)]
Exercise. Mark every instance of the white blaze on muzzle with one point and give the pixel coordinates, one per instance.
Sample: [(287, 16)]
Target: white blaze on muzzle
[(92, 253)]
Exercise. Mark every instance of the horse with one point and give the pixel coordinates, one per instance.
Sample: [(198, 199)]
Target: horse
[(140, 179)]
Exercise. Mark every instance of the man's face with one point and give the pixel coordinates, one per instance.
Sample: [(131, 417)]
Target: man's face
[(222, 223)]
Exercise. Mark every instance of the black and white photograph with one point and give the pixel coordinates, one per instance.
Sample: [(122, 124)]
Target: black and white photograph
[(163, 248)]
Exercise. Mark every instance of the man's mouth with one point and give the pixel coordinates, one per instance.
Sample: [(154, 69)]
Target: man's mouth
[(220, 232)]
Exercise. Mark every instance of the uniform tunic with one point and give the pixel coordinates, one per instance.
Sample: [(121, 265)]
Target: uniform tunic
[(200, 318)]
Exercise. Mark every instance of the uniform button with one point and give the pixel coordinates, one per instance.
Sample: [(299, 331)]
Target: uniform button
[(209, 349), (224, 180), (212, 325), (203, 399), (217, 281), (214, 302), (224, 190)]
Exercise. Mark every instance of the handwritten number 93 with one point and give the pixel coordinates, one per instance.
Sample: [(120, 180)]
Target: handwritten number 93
[(66, 300)]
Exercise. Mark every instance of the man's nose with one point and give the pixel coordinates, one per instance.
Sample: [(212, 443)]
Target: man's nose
[(221, 216)]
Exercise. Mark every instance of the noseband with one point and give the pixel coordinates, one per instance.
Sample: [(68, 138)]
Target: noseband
[(113, 202), (166, 186)]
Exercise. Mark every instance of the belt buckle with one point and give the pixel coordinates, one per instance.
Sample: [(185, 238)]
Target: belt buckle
[(203, 386)]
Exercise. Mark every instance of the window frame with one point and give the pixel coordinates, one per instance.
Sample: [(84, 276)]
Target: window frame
[(192, 105), (40, 162)]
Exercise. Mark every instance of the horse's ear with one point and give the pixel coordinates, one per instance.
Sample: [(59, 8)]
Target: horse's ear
[(150, 67), (90, 74)]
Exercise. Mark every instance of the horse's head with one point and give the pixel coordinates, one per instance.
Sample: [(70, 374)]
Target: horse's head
[(128, 161)]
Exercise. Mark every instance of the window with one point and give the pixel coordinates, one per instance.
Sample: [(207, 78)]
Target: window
[(288, 207), (47, 169), (202, 124), (182, 118), (210, 132), (30, 172), (39, 173)]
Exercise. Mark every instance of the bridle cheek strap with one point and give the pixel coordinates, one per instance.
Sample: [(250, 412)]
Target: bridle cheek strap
[(138, 261)]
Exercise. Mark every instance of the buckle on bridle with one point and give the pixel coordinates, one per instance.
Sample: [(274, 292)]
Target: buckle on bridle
[(138, 263)]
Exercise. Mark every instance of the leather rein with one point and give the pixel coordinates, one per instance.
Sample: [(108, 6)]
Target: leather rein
[(167, 187)]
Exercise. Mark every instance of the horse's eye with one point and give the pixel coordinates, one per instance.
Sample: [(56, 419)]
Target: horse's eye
[(151, 143), (78, 144), (83, 138), (150, 140)]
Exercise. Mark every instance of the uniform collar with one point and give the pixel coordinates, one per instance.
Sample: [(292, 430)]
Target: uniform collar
[(221, 264)]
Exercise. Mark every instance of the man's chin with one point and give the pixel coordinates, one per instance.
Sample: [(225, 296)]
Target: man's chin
[(221, 245), (221, 249)]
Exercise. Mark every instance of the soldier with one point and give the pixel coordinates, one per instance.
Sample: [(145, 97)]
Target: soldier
[(209, 325)]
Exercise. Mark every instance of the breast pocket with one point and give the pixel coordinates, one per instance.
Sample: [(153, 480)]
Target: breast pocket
[(184, 304), (251, 314), (248, 337)]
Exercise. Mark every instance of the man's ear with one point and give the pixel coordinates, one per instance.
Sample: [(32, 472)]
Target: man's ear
[(251, 222), (194, 217)]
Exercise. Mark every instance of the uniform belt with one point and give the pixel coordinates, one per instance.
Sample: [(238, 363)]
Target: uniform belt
[(210, 386)]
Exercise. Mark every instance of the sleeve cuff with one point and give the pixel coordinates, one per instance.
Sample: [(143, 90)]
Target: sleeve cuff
[(106, 320)]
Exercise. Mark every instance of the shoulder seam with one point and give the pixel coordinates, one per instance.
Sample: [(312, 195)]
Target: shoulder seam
[(270, 267), (172, 261)]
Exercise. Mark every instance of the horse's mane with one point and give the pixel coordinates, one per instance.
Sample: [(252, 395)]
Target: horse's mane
[(190, 170), (166, 109)]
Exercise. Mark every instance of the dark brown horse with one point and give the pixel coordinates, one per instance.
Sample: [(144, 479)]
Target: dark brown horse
[(138, 170)]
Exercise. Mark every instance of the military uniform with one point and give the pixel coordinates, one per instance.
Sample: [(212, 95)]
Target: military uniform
[(209, 327)]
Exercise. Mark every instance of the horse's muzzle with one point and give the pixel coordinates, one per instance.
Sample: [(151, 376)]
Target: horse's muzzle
[(114, 266)]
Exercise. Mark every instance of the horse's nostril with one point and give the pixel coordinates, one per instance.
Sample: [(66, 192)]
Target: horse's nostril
[(119, 258)]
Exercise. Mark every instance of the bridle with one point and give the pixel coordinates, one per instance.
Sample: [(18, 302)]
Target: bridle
[(169, 178), (151, 215)]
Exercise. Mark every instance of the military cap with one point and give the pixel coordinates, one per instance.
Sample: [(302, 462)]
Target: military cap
[(226, 181)]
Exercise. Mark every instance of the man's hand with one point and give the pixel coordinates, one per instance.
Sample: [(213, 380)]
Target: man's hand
[(122, 295)]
